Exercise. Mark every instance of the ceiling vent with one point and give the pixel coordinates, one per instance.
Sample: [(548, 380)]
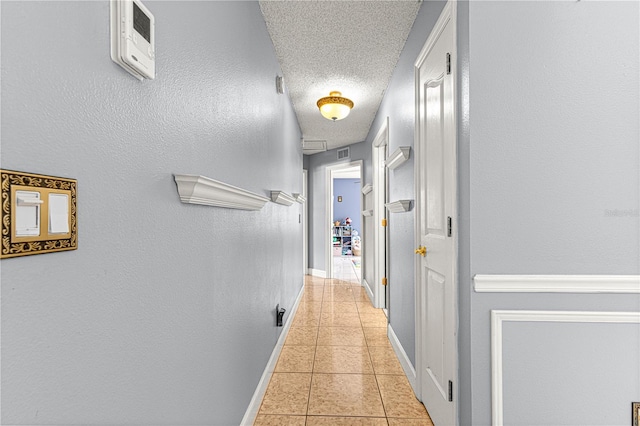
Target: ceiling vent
[(343, 153), (312, 147)]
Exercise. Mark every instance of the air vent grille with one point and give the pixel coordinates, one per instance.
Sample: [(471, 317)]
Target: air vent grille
[(343, 153)]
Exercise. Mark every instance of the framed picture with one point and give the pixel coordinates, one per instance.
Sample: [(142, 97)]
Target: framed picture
[(635, 416), (339, 198)]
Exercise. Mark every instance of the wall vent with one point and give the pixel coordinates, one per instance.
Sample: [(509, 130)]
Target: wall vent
[(343, 153), (313, 146)]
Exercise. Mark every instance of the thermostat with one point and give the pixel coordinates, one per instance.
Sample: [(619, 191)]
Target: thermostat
[(133, 38)]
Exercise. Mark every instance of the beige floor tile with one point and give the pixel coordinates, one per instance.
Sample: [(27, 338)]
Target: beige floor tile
[(287, 393), (367, 308), (296, 359), (345, 421), (313, 293), (376, 336), (341, 336), (410, 422), (398, 398), (340, 306), (302, 336), (335, 281), (338, 293), (342, 359), (361, 297), (339, 319), (377, 319), (306, 319), (276, 420), (314, 306), (345, 395), (384, 360)]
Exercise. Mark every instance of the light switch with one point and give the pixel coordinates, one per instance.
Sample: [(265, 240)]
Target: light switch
[(27, 213), (58, 213)]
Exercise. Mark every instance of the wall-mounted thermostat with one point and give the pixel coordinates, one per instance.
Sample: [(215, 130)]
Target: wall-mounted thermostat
[(133, 38)]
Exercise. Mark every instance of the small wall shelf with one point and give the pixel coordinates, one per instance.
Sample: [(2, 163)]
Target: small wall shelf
[(195, 189), (399, 206), (367, 189), (283, 198), (398, 157), (367, 213), (299, 198)]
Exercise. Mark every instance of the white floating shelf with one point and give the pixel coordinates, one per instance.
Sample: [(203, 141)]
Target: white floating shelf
[(367, 188), (194, 189), (398, 157), (299, 198), (399, 206), (367, 213), (283, 198)]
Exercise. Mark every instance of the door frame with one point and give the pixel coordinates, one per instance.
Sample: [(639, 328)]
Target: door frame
[(305, 225), (329, 208), (448, 15), (379, 152)]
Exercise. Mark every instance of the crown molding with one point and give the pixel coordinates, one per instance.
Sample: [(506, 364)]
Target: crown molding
[(367, 189), (195, 189), (398, 157), (283, 198), (399, 206)]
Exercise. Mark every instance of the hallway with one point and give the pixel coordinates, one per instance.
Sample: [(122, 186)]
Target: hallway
[(337, 366)]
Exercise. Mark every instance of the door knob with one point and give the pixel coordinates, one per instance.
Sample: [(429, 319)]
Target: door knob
[(422, 250)]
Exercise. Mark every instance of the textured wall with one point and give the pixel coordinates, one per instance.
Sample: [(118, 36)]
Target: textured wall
[(164, 315), (319, 224), (398, 105), (554, 147)]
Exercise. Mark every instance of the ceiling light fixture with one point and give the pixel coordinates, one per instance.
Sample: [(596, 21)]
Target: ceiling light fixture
[(335, 107)]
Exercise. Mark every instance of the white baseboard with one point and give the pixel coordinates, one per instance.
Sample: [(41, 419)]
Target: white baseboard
[(317, 273), (367, 287), (409, 371), (617, 284), (252, 411)]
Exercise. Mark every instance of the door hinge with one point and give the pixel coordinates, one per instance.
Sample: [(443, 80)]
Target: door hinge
[(448, 63), (384, 280), (449, 226), (384, 222), (450, 391)]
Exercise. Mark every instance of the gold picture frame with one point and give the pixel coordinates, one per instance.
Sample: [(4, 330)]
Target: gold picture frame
[(44, 240), (635, 413)]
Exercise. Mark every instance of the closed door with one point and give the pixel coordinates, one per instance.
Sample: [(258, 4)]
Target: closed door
[(436, 210)]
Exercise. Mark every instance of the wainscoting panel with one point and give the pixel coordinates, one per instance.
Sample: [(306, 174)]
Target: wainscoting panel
[(564, 367)]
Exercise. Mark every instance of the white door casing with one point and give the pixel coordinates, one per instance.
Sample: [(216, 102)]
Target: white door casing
[(380, 182), (436, 168), (305, 227)]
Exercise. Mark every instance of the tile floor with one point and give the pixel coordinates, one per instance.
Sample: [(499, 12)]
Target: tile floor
[(347, 268), (337, 366)]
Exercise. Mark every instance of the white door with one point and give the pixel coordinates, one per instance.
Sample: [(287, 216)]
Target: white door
[(436, 211), (380, 183)]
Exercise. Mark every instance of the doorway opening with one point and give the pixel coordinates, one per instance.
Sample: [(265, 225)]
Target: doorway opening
[(344, 211)]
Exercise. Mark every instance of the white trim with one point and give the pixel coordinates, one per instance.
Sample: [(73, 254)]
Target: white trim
[(331, 170), (283, 198), (367, 287), (195, 189), (367, 189), (254, 405), (398, 157), (367, 213), (399, 206), (627, 284), (317, 273), (498, 317), (379, 149), (409, 371)]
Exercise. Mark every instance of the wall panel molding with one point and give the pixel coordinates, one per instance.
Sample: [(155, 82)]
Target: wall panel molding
[(557, 283), (499, 317)]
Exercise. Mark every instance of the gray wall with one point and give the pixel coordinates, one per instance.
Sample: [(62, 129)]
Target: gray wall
[(553, 149), (165, 313), (319, 224), (398, 105)]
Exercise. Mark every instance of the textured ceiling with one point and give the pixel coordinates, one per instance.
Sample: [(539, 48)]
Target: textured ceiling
[(349, 46)]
